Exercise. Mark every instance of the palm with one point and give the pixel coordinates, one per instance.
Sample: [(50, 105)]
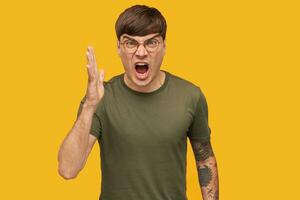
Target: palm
[(95, 88)]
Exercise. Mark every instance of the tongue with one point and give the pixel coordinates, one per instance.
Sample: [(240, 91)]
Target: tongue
[(141, 68)]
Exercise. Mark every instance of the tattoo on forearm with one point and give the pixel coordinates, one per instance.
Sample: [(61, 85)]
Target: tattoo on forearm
[(207, 169), (202, 150), (205, 176), (217, 193)]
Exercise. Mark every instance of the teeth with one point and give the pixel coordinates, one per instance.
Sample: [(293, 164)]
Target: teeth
[(142, 64)]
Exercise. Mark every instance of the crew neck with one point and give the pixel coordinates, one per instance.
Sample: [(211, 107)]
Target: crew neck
[(167, 74)]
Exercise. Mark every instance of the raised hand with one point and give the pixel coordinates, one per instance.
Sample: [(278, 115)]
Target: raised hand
[(95, 88)]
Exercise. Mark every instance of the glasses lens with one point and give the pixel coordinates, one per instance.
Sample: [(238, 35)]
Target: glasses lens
[(152, 44), (130, 44)]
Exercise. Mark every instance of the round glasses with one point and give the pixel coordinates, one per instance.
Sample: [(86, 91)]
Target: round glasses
[(132, 45)]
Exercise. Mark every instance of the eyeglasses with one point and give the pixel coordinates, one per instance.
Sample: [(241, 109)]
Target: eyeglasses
[(132, 45)]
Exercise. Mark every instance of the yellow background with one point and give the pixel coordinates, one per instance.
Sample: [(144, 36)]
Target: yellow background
[(243, 54)]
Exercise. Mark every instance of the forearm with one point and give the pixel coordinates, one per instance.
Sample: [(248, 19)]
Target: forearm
[(208, 178), (72, 151), (207, 169)]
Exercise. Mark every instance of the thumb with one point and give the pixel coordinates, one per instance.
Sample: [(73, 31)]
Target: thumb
[(101, 76)]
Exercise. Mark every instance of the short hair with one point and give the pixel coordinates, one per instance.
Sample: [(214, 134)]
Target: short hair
[(140, 20)]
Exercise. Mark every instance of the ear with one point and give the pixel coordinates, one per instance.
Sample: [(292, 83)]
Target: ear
[(164, 46), (118, 47)]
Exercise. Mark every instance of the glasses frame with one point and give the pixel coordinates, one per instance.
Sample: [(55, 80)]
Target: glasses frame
[(140, 43)]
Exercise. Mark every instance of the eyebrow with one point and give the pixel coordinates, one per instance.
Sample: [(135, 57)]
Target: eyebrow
[(136, 41)]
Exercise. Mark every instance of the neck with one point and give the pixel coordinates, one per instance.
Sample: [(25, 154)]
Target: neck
[(155, 84)]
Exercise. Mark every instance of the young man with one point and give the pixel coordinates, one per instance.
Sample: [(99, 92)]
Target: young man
[(141, 120)]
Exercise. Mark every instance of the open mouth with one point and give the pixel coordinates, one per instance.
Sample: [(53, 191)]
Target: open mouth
[(141, 68)]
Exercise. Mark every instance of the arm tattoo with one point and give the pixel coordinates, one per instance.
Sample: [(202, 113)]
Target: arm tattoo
[(205, 176), (202, 150), (207, 169)]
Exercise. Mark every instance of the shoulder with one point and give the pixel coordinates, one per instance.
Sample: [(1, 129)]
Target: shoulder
[(108, 89), (112, 82), (108, 85), (186, 86)]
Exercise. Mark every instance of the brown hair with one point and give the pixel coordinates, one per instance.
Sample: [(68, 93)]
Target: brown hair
[(140, 20)]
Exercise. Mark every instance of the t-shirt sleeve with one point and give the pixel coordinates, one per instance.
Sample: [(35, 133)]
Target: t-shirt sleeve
[(96, 128), (199, 128)]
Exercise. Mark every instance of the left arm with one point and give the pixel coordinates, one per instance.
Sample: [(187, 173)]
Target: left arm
[(207, 169)]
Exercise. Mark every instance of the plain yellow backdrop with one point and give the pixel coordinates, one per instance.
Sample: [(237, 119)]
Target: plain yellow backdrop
[(243, 54)]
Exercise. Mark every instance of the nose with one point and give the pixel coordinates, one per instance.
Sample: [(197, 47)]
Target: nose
[(141, 51)]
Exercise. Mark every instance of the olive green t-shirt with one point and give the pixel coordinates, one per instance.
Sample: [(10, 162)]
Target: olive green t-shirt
[(143, 138)]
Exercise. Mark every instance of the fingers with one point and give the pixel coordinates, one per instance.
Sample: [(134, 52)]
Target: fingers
[(90, 69), (101, 76), (90, 57), (91, 64), (91, 50)]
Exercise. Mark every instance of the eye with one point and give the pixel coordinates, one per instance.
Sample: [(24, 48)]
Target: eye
[(152, 43), (130, 43)]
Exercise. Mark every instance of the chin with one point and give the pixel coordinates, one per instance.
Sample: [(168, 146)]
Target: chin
[(141, 83)]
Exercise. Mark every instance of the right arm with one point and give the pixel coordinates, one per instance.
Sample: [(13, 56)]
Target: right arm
[(77, 145)]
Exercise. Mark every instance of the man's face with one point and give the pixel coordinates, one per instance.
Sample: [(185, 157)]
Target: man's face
[(141, 62)]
